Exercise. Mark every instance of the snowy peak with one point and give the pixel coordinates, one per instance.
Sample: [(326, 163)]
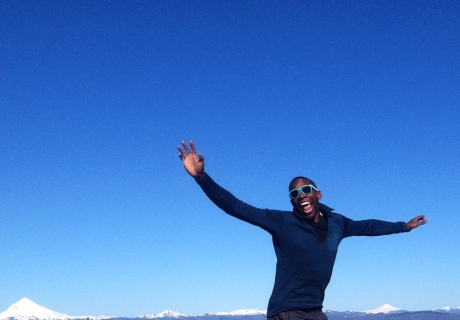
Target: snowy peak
[(386, 308), (175, 314), (164, 314), (26, 309), (250, 312), (448, 310)]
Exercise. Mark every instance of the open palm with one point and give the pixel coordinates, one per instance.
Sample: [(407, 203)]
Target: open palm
[(193, 163)]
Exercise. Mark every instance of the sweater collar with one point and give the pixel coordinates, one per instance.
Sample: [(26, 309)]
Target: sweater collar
[(325, 210)]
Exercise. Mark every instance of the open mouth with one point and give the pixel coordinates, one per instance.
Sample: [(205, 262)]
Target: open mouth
[(306, 206)]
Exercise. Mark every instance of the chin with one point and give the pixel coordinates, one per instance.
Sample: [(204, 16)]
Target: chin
[(308, 216)]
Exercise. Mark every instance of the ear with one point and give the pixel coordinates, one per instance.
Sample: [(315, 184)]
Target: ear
[(319, 195)]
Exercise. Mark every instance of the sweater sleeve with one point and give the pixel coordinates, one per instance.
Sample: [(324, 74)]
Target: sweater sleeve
[(372, 227), (269, 220)]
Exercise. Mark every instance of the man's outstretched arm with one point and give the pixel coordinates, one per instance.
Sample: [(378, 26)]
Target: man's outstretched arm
[(269, 220), (416, 222)]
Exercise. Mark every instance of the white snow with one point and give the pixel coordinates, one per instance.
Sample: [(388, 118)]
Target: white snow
[(175, 314), (386, 308), (240, 312), (26, 309), (448, 309), (166, 313)]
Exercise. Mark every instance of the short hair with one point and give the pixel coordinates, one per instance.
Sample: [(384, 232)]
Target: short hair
[(301, 177)]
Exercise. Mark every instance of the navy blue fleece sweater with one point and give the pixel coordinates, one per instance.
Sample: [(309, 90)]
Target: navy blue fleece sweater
[(304, 262)]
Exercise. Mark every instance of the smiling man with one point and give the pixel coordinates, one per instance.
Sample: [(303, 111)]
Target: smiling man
[(305, 239)]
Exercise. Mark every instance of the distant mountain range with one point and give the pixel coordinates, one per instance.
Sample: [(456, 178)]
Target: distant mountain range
[(25, 309)]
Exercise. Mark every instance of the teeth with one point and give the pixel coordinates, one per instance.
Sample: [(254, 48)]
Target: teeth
[(306, 203)]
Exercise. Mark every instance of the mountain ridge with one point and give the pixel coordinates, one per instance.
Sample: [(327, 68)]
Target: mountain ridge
[(26, 309)]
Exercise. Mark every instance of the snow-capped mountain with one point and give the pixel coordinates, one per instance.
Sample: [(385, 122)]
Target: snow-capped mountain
[(386, 308), (250, 312), (164, 314), (175, 314), (25, 309), (448, 310)]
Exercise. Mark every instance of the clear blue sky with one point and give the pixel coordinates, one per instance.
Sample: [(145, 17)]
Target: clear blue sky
[(98, 215)]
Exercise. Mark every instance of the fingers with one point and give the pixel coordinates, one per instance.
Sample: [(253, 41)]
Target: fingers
[(421, 219), (186, 150), (417, 222), (192, 145), (181, 153)]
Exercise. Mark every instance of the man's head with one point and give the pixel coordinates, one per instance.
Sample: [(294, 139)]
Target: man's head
[(305, 198)]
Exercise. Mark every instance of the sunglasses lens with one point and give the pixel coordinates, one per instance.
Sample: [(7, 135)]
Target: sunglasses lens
[(307, 189), (294, 193)]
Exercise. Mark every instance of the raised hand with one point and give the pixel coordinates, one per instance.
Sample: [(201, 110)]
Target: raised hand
[(193, 163), (416, 222)]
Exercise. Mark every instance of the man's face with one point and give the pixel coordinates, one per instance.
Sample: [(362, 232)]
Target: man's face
[(306, 204)]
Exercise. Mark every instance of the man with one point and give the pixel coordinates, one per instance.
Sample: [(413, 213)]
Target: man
[(305, 239)]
